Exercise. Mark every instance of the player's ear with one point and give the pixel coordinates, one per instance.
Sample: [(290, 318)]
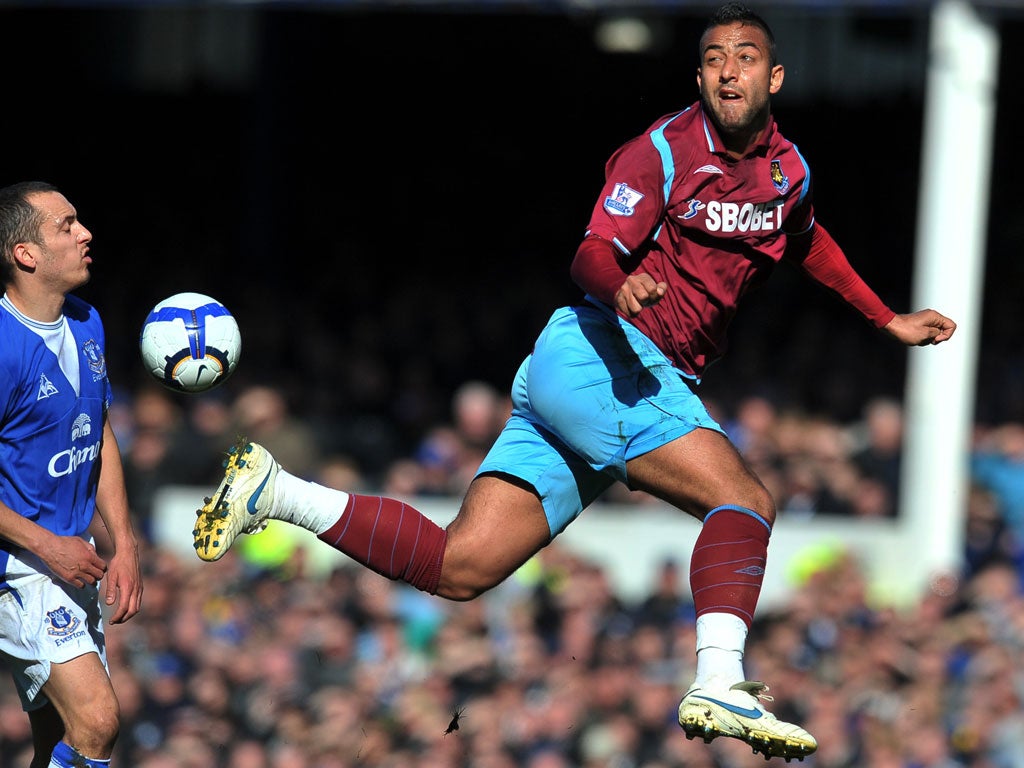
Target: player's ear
[(778, 74), (24, 255)]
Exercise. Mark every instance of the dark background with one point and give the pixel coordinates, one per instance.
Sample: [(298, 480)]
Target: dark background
[(388, 198)]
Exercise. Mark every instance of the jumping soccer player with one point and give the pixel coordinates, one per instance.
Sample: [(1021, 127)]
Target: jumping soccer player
[(694, 213)]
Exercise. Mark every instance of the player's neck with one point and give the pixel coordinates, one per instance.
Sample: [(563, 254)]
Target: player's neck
[(741, 144), (43, 308)]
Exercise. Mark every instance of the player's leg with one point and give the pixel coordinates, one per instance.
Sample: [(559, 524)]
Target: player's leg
[(634, 418), (47, 730), (699, 471), (386, 535), (527, 486), (82, 695), (51, 639), (703, 473), (500, 525)]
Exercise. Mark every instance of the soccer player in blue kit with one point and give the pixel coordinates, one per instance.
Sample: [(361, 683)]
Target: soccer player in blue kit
[(694, 213), (59, 465)]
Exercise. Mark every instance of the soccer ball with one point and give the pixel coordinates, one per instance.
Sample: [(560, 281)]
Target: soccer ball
[(190, 342)]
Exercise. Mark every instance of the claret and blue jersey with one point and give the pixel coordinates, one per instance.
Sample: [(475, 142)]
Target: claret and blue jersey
[(678, 207), (51, 427)]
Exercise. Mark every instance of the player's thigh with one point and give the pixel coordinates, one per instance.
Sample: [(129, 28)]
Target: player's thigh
[(534, 459), (699, 471), (500, 526), (45, 622), (81, 691)]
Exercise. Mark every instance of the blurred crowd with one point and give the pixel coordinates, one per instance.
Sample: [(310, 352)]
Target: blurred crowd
[(813, 464), (244, 665)]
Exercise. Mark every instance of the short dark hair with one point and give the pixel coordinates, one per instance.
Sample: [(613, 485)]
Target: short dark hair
[(733, 12), (19, 221)]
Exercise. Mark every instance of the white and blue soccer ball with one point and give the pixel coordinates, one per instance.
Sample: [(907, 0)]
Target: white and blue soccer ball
[(190, 342)]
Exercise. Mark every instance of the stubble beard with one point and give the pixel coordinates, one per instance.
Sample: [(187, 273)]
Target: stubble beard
[(736, 124)]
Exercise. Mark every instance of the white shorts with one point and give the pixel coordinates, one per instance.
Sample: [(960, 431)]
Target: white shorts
[(45, 621)]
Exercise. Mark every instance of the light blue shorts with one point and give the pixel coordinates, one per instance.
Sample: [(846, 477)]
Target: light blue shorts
[(594, 393), (45, 621)]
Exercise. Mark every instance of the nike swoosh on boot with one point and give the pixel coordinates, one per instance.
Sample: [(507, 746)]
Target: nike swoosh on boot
[(250, 505), (752, 713)]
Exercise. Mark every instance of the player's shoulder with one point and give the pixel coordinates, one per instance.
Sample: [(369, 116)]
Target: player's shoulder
[(665, 139), (778, 144), (13, 352), (785, 155), (9, 327), (77, 309), (679, 121)]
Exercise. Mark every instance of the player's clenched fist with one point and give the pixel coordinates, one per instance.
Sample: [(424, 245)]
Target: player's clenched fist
[(921, 328), (637, 292)]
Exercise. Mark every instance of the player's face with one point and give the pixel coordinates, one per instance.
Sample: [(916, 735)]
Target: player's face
[(736, 79), (63, 259)]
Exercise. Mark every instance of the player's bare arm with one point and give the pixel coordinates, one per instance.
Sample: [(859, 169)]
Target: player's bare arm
[(124, 577), (921, 328)]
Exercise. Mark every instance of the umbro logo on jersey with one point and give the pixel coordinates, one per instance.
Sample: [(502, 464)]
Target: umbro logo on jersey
[(46, 387), (708, 169)]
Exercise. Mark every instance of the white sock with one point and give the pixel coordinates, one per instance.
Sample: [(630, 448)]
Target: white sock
[(311, 506), (721, 639)]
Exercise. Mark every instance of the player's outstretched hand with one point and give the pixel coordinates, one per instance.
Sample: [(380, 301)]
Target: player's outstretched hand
[(921, 328), (637, 292)]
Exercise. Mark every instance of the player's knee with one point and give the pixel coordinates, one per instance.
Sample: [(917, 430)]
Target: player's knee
[(463, 590), (459, 593), (93, 731), (764, 505), (466, 581), (756, 497)]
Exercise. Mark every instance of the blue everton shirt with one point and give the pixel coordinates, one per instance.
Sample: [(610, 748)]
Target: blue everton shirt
[(54, 393)]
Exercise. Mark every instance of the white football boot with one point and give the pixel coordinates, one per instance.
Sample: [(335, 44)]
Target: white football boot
[(241, 503), (737, 712)]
